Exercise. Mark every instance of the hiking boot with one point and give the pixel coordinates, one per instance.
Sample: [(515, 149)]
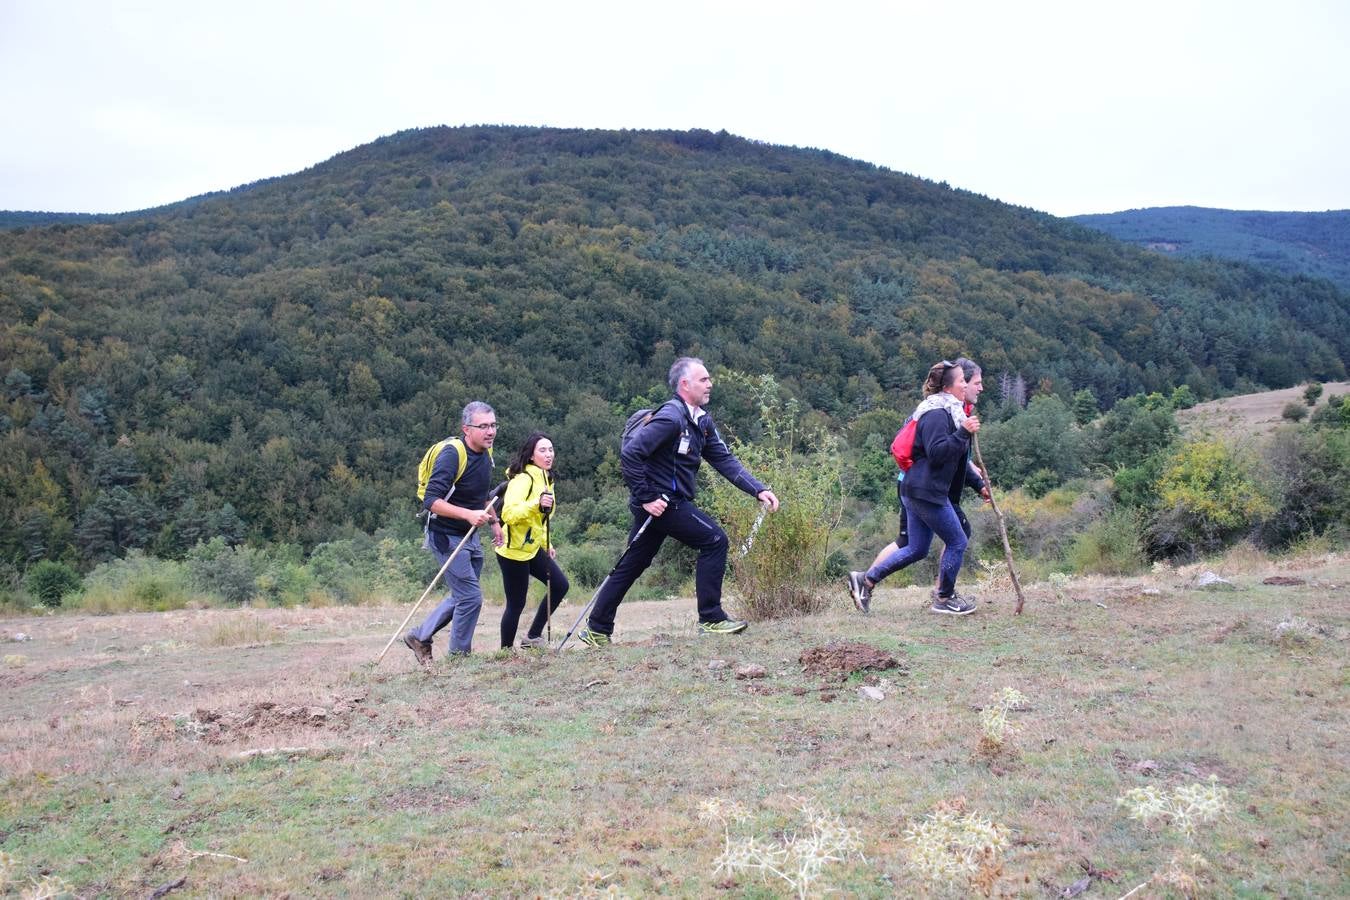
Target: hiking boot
[(421, 649), (859, 591), (726, 626), (955, 605), (533, 643), (593, 638)]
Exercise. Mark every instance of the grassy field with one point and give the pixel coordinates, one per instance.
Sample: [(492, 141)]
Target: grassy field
[(1251, 414), (259, 753)]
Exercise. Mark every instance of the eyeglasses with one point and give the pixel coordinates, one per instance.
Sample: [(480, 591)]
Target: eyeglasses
[(486, 426), (946, 364)]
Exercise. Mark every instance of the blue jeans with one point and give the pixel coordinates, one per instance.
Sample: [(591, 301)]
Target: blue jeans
[(465, 600), (923, 520)]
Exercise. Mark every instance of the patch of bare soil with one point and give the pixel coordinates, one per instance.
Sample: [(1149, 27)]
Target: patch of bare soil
[(843, 658), (214, 726)]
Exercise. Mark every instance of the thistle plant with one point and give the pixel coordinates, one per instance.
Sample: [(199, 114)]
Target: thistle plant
[(994, 718), (798, 859), (1184, 809), (956, 851)]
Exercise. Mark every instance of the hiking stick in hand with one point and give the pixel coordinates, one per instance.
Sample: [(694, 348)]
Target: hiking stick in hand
[(1002, 529)]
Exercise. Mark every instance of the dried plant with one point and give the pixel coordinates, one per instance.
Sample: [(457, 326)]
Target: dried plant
[(956, 851), (1184, 809), (994, 718), (49, 887), (798, 859), (9, 869)]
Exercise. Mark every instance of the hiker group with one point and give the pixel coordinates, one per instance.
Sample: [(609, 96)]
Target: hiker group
[(661, 453)]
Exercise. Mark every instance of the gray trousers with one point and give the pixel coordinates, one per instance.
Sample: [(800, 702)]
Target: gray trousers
[(461, 606)]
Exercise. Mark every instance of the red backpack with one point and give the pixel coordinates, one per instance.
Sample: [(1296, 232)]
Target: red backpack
[(902, 447)]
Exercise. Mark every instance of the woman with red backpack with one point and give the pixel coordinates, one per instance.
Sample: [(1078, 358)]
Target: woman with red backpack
[(940, 469)]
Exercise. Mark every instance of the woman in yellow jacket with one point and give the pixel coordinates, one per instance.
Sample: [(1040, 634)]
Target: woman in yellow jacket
[(528, 503)]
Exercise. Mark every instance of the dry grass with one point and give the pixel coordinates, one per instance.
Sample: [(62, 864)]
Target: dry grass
[(1250, 414), (522, 775)]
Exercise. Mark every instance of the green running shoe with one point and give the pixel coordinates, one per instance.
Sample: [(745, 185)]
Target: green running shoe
[(726, 626), (593, 638)]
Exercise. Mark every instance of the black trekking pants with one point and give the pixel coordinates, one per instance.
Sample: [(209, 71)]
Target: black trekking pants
[(687, 524)]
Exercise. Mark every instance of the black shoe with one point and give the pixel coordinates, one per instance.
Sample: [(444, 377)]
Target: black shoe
[(955, 605), (859, 591), (421, 649)]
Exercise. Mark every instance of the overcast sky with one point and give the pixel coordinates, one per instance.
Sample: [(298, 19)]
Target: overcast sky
[(1067, 107)]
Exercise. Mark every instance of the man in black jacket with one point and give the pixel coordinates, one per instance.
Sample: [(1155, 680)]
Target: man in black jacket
[(660, 463)]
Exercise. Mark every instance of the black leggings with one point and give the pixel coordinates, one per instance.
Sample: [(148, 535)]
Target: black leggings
[(516, 585)]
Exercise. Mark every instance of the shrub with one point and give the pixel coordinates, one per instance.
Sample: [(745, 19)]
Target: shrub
[(1110, 546), (1208, 495), (586, 565), (780, 577), (1335, 413), (49, 582), (1294, 412), (1312, 492), (135, 582), (1133, 430), (1042, 442), (1311, 393), (230, 573)]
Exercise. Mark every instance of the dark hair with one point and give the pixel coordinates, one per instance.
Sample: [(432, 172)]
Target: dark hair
[(940, 377), (968, 366), (526, 453)]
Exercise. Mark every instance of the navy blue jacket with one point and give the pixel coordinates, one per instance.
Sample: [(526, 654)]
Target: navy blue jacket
[(652, 463), (471, 491), (940, 453)]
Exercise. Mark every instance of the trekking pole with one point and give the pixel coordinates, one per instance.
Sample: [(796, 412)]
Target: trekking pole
[(462, 541), (1002, 529), (587, 608), (754, 530), (548, 578)]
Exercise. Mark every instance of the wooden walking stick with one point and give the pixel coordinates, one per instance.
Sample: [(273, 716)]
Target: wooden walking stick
[(1002, 529)]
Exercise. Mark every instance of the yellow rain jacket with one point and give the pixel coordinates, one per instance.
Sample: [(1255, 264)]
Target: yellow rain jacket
[(522, 519)]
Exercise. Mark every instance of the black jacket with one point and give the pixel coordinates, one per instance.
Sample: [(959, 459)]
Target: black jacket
[(652, 462), (940, 453)]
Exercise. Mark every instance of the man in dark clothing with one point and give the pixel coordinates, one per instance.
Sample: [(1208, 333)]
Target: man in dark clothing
[(660, 464), (450, 521)]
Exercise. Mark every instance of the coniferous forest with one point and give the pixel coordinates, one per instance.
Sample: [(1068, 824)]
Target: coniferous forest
[(266, 365)]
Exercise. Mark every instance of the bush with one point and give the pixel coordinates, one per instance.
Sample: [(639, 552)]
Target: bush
[(1294, 412), (135, 582), (1133, 430), (1110, 546), (230, 573), (1309, 467), (49, 582), (1208, 495), (1041, 441), (1311, 393), (781, 574), (587, 565)]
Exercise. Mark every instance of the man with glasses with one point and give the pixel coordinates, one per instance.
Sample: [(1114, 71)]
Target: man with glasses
[(455, 506)]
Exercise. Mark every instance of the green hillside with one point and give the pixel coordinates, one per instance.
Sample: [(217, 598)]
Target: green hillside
[(1297, 243), (270, 362)]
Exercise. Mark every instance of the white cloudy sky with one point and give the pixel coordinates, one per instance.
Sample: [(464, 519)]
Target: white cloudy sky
[(1069, 107)]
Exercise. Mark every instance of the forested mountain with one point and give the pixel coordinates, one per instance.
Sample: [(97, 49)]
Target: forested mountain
[(1316, 244), (270, 362)]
